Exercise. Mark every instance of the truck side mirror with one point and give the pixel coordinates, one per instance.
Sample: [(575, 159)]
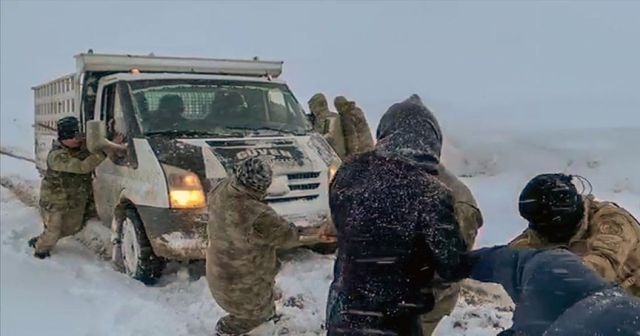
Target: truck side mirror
[(97, 137)]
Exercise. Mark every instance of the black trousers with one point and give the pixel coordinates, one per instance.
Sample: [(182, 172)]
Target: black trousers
[(357, 324)]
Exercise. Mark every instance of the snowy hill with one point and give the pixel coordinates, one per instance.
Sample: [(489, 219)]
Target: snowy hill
[(77, 293), (497, 165)]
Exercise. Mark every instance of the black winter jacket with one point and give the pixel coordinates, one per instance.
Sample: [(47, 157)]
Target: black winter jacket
[(396, 227)]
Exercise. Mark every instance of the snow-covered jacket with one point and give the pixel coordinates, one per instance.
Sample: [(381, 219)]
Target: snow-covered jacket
[(396, 227)]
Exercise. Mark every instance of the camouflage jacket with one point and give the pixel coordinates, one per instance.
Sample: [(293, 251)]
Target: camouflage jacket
[(328, 124), (608, 240), (244, 233), (466, 209), (333, 133), (67, 182), (357, 134)]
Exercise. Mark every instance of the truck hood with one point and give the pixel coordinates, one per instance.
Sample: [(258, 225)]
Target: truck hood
[(288, 154), (212, 159)]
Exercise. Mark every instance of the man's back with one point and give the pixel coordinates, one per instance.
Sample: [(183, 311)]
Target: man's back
[(234, 246), (67, 181), (389, 216)]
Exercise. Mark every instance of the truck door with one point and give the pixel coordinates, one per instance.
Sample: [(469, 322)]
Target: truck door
[(110, 176)]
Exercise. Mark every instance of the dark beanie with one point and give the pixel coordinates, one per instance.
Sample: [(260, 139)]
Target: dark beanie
[(552, 205), (68, 128)]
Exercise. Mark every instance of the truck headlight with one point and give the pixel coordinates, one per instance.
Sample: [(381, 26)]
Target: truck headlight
[(186, 199), (185, 190), (333, 169)]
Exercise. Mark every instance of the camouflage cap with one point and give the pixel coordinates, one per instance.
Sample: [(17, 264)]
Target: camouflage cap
[(342, 104), (318, 104), (254, 173)]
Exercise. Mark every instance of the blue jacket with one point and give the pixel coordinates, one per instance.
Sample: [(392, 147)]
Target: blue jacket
[(556, 295)]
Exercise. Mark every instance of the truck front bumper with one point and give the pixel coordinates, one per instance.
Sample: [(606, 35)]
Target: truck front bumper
[(181, 234)]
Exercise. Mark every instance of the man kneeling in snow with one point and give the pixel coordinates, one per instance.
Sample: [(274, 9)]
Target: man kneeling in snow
[(390, 210), (244, 233)]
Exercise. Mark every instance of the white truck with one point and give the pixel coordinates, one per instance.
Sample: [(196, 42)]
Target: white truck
[(186, 122)]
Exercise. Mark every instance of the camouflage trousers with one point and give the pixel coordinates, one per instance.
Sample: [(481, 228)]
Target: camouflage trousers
[(248, 303), (59, 224), (234, 325), (445, 302)]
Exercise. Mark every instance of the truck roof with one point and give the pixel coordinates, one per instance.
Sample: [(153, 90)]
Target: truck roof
[(124, 63), (152, 76)]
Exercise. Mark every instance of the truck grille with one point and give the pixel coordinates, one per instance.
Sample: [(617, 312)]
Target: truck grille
[(308, 186), (303, 186), (291, 199), (303, 176)]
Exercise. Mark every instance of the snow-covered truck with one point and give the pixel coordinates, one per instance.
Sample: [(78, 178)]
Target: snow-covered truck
[(186, 122)]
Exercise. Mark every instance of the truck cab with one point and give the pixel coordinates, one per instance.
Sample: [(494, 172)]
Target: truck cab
[(186, 124)]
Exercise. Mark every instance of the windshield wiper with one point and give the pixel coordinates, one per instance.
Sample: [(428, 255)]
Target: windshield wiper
[(265, 128), (193, 133)]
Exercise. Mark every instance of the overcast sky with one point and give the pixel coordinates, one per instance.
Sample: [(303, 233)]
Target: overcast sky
[(476, 64)]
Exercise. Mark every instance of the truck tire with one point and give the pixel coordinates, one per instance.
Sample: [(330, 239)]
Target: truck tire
[(136, 257)]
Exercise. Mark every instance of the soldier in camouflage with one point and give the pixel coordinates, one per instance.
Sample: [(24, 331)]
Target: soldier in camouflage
[(470, 219), (357, 135), (604, 235), (244, 233), (347, 131), (328, 124), (66, 194)]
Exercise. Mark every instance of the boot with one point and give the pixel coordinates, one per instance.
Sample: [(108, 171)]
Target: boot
[(42, 255)]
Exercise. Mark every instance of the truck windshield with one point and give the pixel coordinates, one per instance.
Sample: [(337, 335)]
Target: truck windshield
[(216, 107)]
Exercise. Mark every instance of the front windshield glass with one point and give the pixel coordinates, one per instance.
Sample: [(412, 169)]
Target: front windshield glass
[(193, 107)]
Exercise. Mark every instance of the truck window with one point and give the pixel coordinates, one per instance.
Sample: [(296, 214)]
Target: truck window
[(118, 117), (106, 110), (202, 107), (111, 113), (277, 105)]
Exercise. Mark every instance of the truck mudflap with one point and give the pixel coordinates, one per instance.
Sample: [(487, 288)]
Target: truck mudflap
[(177, 234)]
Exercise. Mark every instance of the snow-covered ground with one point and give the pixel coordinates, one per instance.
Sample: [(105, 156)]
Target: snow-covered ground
[(75, 292)]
